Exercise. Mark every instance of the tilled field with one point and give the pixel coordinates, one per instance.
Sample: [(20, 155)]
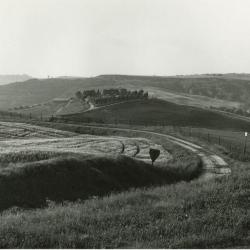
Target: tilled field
[(20, 138), (14, 130)]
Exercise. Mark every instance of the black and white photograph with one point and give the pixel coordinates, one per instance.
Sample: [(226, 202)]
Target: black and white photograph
[(124, 124)]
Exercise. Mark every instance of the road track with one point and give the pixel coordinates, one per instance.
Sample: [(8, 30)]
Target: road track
[(213, 165)]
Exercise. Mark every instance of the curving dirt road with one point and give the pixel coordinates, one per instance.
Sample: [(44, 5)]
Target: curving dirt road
[(93, 107), (213, 164)]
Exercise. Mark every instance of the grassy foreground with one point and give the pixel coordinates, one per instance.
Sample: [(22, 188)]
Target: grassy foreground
[(196, 214), (31, 184), (214, 214)]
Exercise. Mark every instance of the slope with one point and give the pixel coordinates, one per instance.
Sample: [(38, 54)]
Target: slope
[(198, 91), (158, 112)]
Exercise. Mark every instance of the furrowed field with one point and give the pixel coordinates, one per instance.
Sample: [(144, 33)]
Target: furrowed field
[(197, 124)]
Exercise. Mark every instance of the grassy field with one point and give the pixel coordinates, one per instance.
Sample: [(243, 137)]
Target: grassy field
[(212, 214), (63, 178), (87, 191), (157, 112), (156, 207), (20, 138), (37, 163), (181, 157), (52, 108), (228, 142)]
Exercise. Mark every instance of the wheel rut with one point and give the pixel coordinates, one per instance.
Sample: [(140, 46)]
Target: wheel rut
[(213, 165)]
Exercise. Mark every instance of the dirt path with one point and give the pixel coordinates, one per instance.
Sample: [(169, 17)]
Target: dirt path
[(213, 164), (20, 138), (93, 107)]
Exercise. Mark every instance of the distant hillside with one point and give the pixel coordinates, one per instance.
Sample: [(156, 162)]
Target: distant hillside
[(158, 112), (225, 88), (5, 79), (239, 76), (52, 108), (229, 90)]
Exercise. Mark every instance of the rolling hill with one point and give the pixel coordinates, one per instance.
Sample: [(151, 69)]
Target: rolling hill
[(228, 90), (159, 112), (57, 106)]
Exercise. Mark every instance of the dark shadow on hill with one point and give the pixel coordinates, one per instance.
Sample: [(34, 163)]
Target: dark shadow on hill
[(30, 185), (155, 112)]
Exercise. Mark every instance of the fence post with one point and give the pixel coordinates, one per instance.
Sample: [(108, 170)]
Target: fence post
[(208, 137), (245, 146), (219, 140)]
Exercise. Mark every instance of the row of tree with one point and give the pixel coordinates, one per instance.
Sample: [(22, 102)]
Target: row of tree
[(110, 95)]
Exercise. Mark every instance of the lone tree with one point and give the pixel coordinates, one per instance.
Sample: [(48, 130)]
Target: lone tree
[(154, 154)]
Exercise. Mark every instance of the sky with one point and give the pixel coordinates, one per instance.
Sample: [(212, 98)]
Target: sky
[(137, 37)]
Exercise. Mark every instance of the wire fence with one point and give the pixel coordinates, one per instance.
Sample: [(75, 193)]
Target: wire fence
[(236, 144)]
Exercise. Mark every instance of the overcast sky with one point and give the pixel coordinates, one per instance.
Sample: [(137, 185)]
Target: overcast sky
[(151, 37)]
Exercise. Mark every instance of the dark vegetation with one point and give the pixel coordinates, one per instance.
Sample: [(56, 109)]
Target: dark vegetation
[(12, 116), (213, 214), (154, 153), (30, 185), (107, 96), (27, 156), (158, 112)]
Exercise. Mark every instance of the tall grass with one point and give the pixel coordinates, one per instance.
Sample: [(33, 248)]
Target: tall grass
[(79, 177), (27, 156), (212, 214)]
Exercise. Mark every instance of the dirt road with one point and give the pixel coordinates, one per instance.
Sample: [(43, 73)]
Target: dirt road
[(213, 165)]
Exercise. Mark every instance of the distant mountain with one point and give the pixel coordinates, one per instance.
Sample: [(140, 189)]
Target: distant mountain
[(217, 90), (5, 79)]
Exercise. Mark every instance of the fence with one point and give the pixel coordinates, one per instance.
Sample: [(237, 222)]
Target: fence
[(236, 144)]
